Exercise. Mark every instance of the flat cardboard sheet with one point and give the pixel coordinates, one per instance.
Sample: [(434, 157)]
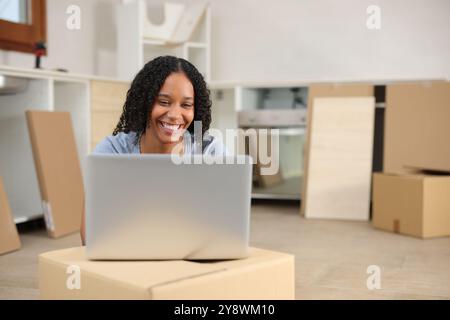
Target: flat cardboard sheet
[(323, 91), (340, 158), (58, 169), (9, 238)]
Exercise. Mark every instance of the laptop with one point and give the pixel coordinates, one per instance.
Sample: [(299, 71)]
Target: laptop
[(148, 207)]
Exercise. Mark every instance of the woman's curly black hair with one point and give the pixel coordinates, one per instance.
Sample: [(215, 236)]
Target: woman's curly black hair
[(146, 86)]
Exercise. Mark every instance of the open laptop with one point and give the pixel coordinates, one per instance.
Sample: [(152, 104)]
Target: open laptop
[(147, 207)]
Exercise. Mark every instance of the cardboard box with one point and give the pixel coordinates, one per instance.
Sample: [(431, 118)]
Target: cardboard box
[(264, 275), (417, 127), (58, 170), (9, 238), (412, 204)]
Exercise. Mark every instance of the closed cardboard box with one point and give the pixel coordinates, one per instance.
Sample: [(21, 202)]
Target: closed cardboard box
[(68, 274), (412, 204)]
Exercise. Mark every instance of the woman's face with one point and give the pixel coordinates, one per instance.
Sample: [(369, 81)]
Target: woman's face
[(173, 109)]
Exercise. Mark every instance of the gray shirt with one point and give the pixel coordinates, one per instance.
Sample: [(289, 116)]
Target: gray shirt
[(125, 143)]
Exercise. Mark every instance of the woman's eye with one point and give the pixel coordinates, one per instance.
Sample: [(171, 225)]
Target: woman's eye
[(187, 105), (164, 103)]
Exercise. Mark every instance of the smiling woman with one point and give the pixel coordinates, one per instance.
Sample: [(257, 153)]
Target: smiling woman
[(165, 100)]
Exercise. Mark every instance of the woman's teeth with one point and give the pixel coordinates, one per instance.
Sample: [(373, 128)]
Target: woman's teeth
[(171, 126)]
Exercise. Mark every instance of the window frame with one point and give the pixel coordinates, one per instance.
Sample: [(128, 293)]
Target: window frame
[(23, 37)]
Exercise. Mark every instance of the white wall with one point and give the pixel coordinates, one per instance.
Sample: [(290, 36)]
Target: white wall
[(256, 40), (328, 39)]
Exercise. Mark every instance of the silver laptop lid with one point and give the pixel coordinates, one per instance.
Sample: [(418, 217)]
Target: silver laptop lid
[(152, 207)]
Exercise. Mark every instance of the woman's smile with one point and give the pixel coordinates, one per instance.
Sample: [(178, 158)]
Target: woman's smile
[(170, 128)]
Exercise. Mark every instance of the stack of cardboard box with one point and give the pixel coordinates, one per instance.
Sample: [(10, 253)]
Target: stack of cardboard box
[(412, 195)]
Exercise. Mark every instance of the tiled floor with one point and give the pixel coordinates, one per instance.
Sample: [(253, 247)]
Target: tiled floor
[(331, 258)]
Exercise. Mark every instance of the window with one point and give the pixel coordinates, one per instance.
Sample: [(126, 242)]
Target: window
[(22, 24)]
